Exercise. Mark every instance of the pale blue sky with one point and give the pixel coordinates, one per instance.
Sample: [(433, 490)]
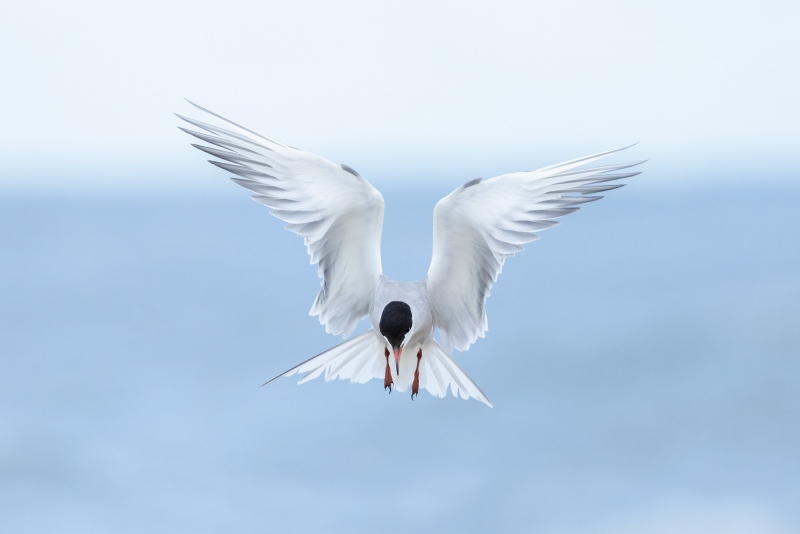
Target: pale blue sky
[(472, 88)]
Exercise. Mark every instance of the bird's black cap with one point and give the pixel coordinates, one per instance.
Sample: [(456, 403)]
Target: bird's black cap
[(395, 322)]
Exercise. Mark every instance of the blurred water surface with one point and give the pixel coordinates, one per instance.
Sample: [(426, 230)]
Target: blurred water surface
[(643, 359)]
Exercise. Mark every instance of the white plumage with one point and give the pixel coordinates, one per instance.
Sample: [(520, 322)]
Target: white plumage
[(340, 217)]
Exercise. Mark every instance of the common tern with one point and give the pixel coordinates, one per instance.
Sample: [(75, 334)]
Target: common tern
[(340, 217)]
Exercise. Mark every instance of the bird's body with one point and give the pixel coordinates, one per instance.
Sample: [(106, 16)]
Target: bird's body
[(340, 217), (415, 294)]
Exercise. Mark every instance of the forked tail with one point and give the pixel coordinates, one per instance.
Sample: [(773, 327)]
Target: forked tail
[(362, 358)]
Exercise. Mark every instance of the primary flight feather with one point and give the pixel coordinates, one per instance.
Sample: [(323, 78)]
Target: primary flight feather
[(340, 217)]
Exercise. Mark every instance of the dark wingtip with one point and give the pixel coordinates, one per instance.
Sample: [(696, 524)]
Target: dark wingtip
[(348, 168)]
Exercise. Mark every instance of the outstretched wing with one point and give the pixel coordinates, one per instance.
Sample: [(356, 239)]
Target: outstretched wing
[(336, 211), (480, 224)]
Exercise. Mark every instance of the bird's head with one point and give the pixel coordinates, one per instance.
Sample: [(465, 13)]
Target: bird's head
[(396, 326)]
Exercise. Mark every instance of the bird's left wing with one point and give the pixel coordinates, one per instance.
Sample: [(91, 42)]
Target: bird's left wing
[(480, 224), (336, 211)]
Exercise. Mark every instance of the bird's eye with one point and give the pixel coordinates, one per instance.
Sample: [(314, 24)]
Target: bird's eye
[(407, 329)]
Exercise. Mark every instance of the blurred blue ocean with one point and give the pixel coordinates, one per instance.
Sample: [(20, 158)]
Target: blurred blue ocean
[(643, 359)]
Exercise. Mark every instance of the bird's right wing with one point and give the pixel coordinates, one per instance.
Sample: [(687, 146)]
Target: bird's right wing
[(480, 224), (336, 211)]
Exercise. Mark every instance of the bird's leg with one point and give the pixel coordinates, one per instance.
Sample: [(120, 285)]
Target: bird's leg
[(387, 378), (415, 384)]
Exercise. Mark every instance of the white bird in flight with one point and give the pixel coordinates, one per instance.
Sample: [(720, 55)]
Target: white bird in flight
[(340, 217)]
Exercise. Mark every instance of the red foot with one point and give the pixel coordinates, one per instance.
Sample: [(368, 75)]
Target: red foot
[(415, 383), (387, 378)]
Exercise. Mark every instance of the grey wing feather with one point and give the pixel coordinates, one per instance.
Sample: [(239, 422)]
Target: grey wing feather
[(480, 224), (336, 211)]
